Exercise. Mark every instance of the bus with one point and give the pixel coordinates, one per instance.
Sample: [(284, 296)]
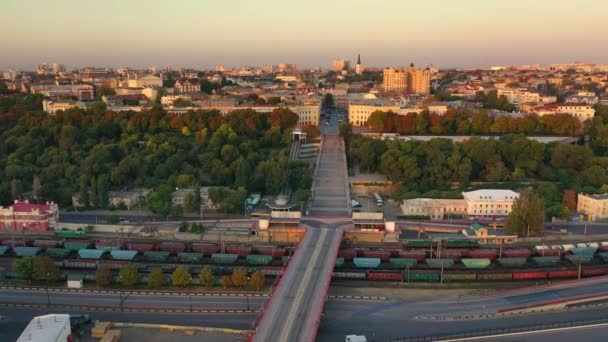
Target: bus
[(379, 202)]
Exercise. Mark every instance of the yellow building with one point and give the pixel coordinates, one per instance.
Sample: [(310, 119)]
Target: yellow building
[(595, 206), (410, 79)]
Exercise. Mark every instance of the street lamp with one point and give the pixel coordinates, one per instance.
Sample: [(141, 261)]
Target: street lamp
[(48, 296)]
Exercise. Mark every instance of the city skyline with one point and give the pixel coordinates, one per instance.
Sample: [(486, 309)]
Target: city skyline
[(234, 33)]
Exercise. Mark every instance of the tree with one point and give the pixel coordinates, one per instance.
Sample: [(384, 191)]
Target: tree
[(226, 281), (16, 189), (156, 279), (207, 279), (258, 279), (548, 192), (112, 219), (192, 202), (129, 276), (239, 277), (183, 227), (527, 215), (103, 276), (181, 277), (36, 188), (24, 267), (569, 199), (44, 269)]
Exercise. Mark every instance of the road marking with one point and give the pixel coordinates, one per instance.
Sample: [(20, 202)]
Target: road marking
[(303, 285)]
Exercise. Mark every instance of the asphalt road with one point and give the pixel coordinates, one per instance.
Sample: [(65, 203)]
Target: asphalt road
[(298, 301), (130, 300), (14, 320), (587, 334)]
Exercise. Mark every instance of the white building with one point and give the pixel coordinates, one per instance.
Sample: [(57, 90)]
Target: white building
[(579, 111), (83, 92), (47, 328), (184, 86), (169, 99), (52, 107), (436, 209), (146, 81), (489, 202)]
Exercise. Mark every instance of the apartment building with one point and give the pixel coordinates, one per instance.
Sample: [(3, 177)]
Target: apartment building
[(360, 111), (338, 65), (83, 92), (410, 79), (185, 86), (394, 80), (595, 206), (489, 202)]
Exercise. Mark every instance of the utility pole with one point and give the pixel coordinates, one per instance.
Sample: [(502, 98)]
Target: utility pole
[(580, 269)]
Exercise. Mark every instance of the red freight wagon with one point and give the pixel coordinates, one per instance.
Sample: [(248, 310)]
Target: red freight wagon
[(451, 254), (206, 249), (276, 252), (347, 254), (549, 252), (482, 253), (239, 250), (140, 247), (394, 276), (529, 275), (562, 274), (382, 255), (516, 253), (173, 247), (594, 271), (413, 254)]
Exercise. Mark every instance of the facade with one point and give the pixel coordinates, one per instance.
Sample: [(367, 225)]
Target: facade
[(488, 202), (410, 79), (308, 114), (83, 92), (129, 199), (580, 111), (24, 216), (169, 99), (178, 197), (338, 65), (52, 107), (206, 201), (146, 81), (184, 86), (595, 206), (358, 113), (394, 80), (436, 209)]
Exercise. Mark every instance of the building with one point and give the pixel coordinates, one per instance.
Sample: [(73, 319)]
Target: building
[(394, 80), (128, 199), (580, 111), (206, 201), (435, 209), (360, 111), (57, 68), (146, 81), (287, 68), (220, 68), (419, 80), (595, 206), (401, 80), (359, 67), (489, 202), (169, 99), (178, 197), (48, 328), (24, 216), (185, 86), (52, 107), (339, 65), (83, 92)]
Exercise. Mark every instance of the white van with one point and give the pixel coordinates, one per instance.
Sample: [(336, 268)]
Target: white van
[(379, 201)]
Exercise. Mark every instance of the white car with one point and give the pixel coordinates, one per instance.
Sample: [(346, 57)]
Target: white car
[(355, 203)]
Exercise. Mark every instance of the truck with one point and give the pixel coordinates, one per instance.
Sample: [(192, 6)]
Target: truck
[(379, 202), (355, 338)]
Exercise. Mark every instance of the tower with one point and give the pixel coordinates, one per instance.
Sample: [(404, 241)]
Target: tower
[(359, 67)]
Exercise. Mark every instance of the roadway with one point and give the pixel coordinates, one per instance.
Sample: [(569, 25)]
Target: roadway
[(298, 300), (130, 300)]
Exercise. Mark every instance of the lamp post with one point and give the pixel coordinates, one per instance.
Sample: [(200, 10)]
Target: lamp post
[(48, 296)]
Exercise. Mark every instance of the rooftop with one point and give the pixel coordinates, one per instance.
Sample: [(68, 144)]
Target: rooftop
[(490, 194), (46, 328)]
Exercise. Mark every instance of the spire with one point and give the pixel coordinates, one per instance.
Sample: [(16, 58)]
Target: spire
[(359, 59)]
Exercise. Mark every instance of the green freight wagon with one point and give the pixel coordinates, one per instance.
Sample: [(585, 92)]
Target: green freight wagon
[(438, 263), (476, 262), (421, 276), (402, 263), (419, 243), (91, 253), (70, 234), (459, 277), (26, 251), (123, 255), (582, 259), (512, 262), (74, 246), (545, 261), (193, 258), (583, 250), (461, 243), (366, 262), (259, 260), (494, 276), (339, 262), (156, 256), (58, 253), (603, 255), (224, 259)]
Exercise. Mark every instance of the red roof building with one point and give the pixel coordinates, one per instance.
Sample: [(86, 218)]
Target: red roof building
[(24, 216)]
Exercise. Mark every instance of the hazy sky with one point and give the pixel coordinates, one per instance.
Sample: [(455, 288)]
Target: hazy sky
[(202, 33)]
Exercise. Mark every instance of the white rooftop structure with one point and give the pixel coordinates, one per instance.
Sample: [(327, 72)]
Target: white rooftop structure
[(490, 194), (47, 328)]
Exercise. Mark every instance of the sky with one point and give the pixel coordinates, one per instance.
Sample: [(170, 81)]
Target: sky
[(203, 33)]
